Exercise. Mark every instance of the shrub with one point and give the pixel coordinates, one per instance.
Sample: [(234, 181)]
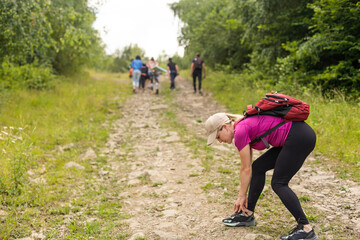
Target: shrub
[(26, 76)]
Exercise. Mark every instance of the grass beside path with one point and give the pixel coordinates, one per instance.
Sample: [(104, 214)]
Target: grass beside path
[(41, 131)]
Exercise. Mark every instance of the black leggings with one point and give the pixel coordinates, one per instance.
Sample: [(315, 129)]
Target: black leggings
[(142, 81), (197, 74), (286, 162)]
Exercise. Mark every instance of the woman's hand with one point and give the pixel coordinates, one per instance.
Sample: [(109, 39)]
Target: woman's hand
[(241, 204)]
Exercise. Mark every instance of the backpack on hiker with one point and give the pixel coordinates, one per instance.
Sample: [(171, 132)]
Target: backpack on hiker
[(198, 63), (172, 68), (279, 105)]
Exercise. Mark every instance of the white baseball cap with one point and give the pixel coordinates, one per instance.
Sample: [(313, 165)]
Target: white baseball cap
[(213, 125)]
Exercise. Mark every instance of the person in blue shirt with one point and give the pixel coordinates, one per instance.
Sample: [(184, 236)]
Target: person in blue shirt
[(136, 64)]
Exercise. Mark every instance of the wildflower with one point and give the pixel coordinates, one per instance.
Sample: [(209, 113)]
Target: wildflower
[(11, 127), (5, 133), (20, 128)]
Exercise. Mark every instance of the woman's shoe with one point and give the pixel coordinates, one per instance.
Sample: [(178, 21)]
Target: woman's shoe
[(240, 219), (298, 233)]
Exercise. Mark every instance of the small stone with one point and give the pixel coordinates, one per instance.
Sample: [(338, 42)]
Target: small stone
[(89, 154), (169, 213), (37, 236), (137, 236), (74, 165)]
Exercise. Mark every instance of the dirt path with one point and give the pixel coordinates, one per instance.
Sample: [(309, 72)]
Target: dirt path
[(175, 189)]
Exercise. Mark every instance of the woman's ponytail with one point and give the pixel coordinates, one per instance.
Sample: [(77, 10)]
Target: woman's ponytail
[(234, 117)]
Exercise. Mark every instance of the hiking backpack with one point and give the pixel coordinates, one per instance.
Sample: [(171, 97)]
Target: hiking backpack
[(172, 66), (279, 105), (198, 63)]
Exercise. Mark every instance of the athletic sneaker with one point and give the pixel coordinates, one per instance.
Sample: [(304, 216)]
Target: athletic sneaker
[(240, 219), (298, 233), (157, 91)]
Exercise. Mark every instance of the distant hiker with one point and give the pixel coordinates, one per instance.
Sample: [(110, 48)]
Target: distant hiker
[(130, 73), (197, 67), (292, 143), (130, 69), (173, 71), (136, 65), (144, 75), (154, 75)]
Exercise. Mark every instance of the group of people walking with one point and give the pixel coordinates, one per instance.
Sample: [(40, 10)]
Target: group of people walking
[(140, 72)]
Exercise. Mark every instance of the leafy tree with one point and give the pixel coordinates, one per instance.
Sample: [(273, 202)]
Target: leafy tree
[(211, 28), (48, 32), (122, 58), (269, 24), (71, 22), (236, 32), (25, 33), (329, 59)]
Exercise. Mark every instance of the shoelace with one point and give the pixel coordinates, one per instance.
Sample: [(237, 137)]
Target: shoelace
[(238, 213), (298, 227)]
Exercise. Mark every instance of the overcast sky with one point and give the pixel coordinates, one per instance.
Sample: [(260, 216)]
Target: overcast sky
[(149, 23)]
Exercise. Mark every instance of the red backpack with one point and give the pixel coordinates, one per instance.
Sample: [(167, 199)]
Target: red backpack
[(279, 105)]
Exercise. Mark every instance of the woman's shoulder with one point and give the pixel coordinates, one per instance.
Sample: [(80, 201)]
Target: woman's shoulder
[(257, 118)]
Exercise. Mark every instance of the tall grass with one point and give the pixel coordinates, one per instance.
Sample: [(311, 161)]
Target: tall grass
[(335, 120), (35, 128)]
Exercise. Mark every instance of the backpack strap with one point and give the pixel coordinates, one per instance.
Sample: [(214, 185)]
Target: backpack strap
[(265, 134)]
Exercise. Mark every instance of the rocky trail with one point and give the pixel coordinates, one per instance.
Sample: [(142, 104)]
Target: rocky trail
[(176, 189)]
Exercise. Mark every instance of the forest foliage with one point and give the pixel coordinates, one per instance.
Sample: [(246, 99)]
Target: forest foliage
[(48, 37), (312, 44)]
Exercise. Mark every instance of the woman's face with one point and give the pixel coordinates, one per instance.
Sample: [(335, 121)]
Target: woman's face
[(225, 134)]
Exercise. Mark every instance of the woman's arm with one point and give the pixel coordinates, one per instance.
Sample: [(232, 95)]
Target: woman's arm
[(245, 178)]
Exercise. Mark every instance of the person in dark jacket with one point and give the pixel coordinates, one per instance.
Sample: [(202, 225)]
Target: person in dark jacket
[(196, 70), (144, 75), (173, 71)]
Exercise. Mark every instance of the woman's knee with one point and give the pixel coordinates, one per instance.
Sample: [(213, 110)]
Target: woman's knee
[(276, 185)]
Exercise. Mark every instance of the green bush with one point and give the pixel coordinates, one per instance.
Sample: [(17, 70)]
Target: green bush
[(26, 76)]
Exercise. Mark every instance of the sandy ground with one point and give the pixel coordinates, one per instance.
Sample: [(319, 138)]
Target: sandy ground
[(165, 197)]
